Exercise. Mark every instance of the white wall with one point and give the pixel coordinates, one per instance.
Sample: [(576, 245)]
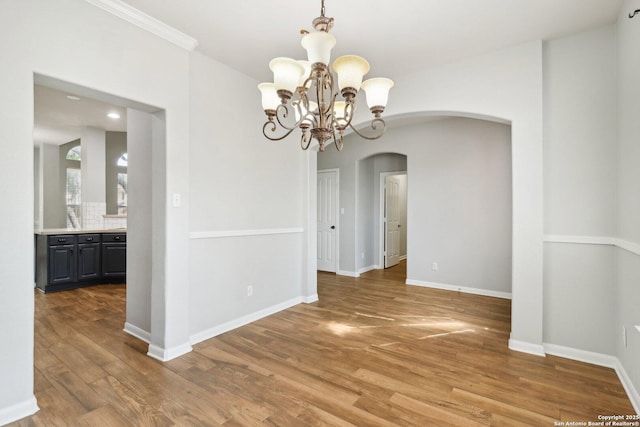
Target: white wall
[(43, 36), (580, 188), (459, 200), (628, 263), (240, 184)]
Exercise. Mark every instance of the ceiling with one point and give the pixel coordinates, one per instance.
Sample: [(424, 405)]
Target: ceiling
[(397, 37), (58, 119)]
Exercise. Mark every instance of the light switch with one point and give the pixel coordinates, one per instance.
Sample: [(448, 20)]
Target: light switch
[(176, 200), (341, 211)]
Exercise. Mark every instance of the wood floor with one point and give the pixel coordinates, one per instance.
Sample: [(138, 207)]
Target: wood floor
[(371, 352)]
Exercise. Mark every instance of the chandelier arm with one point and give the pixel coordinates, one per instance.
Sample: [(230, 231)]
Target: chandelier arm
[(373, 125), (305, 139), (285, 114), (342, 123), (273, 130), (338, 142)]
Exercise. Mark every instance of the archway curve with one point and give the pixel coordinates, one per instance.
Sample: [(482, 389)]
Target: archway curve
[(421, 116)]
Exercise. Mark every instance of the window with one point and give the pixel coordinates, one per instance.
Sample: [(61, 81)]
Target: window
[(123, 160), (122, 194), (73, 198), (74, 153)]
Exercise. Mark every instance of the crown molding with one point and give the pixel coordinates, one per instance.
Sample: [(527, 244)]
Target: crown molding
[(140, 19)]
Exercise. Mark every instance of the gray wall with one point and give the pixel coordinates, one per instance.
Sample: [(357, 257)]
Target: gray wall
[(116, 145), (238, 183), (459, 200), (139, 224), (580, 189), (53, 187), (93, 144), (628, 263)]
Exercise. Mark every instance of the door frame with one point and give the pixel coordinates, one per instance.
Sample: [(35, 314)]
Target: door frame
[(381, 216), (337, 215)]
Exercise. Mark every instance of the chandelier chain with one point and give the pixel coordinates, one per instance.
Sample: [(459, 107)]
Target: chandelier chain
[(322, 9)]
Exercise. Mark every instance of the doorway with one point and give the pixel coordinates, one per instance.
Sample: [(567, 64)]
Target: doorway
[(328, 219), (393, 218), (144, 133)]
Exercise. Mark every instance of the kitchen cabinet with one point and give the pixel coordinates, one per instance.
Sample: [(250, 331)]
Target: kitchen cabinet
[(114, 255), (67, 261), (61, 260), (89, 262)]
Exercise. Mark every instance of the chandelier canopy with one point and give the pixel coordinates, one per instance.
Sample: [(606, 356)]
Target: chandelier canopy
[(309, 89)]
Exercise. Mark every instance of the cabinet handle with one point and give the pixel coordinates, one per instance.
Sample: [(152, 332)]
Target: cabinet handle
[(62, 240), (116, 238), (71, 250), (89, 239)]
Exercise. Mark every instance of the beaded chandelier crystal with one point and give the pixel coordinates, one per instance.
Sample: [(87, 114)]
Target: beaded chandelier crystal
[(309, 89)]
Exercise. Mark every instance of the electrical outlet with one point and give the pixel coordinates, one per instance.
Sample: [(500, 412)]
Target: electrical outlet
[(624, 336), (362, 255), (434, 266), (249, 290)]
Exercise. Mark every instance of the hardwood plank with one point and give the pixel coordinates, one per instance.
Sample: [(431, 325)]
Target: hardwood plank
[(372, 351)]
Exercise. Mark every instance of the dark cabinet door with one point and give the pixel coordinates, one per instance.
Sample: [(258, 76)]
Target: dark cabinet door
[(62, 264), (114, 259), (88, 261)]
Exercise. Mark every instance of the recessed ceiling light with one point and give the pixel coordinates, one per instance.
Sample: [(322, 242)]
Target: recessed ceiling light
[(113, 115), (73, 98)]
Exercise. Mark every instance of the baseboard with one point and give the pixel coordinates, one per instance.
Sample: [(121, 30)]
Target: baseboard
[(599, 359), (18, 411), (310, 299), (581, 355), (347, 273), (139, 333), (632, 392), (244, 320), (463, 289), (527, 347), (369, 268), (403, 257), (166, 354)]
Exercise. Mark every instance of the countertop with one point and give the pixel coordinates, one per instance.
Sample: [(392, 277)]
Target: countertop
[(50, 231)]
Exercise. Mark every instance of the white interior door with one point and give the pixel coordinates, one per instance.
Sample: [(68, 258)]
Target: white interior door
[(327, 220), (391, 221)]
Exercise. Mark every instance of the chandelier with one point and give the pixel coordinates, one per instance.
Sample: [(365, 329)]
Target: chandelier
[(308, 89)]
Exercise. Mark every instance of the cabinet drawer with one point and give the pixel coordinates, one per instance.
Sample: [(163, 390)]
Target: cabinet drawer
[(114, 237), (61, 239), (88, 238)]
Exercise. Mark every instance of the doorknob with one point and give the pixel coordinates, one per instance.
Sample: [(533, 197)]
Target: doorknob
[(333, 227)]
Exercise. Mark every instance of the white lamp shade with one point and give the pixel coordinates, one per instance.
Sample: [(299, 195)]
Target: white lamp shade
[(338, 110), (312, 106), (307, 71), (318, 45), (270, 99), (286, 73), (350, 70), (377, 91)]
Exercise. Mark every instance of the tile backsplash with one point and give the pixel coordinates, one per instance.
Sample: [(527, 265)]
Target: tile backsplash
[(92, 214)]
